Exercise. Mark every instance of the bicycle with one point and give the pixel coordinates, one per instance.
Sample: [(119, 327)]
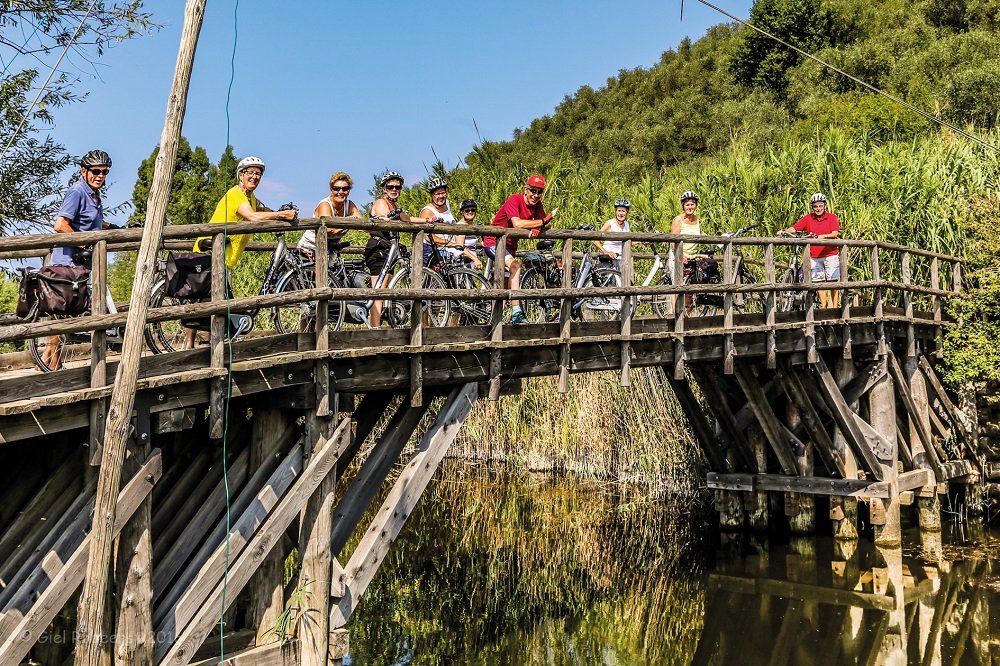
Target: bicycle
[(793, 299), (543, 270)]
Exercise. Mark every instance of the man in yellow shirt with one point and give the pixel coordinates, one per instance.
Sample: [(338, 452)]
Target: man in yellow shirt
[(238, 205)]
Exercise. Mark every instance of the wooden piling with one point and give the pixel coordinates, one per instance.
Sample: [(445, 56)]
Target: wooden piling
[(885, 513)]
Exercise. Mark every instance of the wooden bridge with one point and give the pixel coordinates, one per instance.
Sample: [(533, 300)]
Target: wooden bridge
[(327, 439)]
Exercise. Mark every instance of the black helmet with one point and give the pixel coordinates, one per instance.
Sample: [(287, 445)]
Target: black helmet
[(689, 195), (389, 175), (469, 203), (95, 158), (436, 183), (623, 203)]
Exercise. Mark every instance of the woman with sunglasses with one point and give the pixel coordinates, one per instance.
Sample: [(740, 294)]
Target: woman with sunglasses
[(469, 242), (385, 207), (335, 205)]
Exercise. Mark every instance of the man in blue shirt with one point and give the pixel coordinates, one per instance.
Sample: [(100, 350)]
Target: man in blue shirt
[(81, 209)]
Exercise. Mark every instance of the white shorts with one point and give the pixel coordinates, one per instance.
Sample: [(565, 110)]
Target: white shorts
[(826, 269)]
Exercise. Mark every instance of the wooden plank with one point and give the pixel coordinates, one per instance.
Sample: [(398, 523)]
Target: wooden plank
[(845, 303), (718, 404), (417, 320), (98, 349), (208, 567), (801, 591), (845, 419), (277, 654), (916, 418), (217, 341), (917, 478), (822, 442), (565, 318), (954, 469), (242, 567), (770, 307), (323, 407), (969, 440), (625, 314), (699, 424), (680, 313), (767, 419), (806, 485), (868, 377), (67, 578), (398, 505)]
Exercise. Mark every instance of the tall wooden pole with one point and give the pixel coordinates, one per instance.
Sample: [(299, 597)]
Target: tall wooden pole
[(93, 603)]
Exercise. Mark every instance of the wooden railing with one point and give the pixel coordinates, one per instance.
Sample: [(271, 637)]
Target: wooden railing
[(874, 276)]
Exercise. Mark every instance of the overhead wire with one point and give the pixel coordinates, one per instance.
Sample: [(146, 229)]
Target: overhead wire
[(229, 365), (924, 114), (48, 79)]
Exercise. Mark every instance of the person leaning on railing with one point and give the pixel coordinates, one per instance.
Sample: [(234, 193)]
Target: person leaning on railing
[(335, 205), (239, 204), (825, 258), (469, 242), (687, 224), (612, 249)]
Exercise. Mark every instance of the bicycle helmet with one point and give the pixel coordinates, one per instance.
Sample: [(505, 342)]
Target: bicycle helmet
[(250, 161), (689, 195), (469, 203), (95, 158), (623, 203), (819, 196), (390, 175), (436, 183)]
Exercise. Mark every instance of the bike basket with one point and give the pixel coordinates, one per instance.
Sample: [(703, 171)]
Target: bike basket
[(63, 290), (188, 275)]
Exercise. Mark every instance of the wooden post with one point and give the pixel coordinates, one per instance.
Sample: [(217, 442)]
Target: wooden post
[(770, 306), (627, 308), (877, 303), (266, 589), (217, 341), (844, 510), (322, 371), (812, 355), (417, 321), (680, 312), (98, 349), (93, 603), (565, 317), (928, 503), (845, 300), (317, 561), (885, 513), (756, 503), (728, 349), (496, 320), (911, 340)]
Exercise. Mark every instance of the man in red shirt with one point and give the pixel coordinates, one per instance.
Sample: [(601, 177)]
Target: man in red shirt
[(825, 258), (521, 211)]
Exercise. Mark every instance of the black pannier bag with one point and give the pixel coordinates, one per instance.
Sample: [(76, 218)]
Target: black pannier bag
[(27, 293), (189, 275), (706, 271), (62, 290)]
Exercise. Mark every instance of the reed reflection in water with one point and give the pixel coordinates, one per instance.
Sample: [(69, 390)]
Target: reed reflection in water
[(496, 567)]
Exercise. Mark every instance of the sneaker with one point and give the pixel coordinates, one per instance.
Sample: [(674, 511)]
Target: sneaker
[(517, 317)]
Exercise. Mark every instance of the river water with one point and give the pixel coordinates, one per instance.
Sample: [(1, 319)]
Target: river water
[(497, 568)]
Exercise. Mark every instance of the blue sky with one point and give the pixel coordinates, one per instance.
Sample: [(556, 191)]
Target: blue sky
[(364, 86)]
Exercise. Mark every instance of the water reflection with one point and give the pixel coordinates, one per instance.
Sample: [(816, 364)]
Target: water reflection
[(498, 568), (935, 602)]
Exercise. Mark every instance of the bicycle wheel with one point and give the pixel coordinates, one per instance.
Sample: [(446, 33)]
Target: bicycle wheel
[(397, 313), (602, 308), (537, 311), (661, 302), (52, 353), (470, 313), (750, 302), (789, 300), (164, 336), (301, 317)]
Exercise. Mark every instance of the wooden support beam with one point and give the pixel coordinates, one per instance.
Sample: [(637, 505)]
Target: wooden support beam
[(417, 320), (217, 341), (770, 308), (776, 435), (845, 418), (324, 405), (885, 516), (243, 566), (791, 382), (728, 347), (919, 422), (718, 404), (625, 314), (680, 314), (969, 440), (65, 577), (496, 319), (869, 376), (810, 306), (845, 302), (374, 470), (98, 350), (816, 485), (699, 424), (396, 508), (202, 571), (770, 587)]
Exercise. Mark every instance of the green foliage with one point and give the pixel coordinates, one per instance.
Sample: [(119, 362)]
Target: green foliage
[(32, 161)]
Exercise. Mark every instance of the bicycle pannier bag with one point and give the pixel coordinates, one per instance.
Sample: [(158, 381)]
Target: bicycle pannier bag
[(26, 292), (189, 275), (63, 290), (706, 271)]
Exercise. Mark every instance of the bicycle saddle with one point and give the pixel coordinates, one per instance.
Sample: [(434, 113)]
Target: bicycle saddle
[(544, 245), (337, 247)]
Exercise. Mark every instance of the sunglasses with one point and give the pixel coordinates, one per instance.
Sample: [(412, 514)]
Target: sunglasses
[(99, 172), (337, 188), (473, 211), (535, 190), (394, 187)]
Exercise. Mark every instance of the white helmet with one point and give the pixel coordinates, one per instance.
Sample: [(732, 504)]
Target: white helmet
[(819, 196), (250, 161)]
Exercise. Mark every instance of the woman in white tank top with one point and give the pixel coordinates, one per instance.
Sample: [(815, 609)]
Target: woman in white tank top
[(439, 211), (335, 205), (618, 224)]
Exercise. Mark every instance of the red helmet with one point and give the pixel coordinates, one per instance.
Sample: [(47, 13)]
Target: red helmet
[(536, 181)]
